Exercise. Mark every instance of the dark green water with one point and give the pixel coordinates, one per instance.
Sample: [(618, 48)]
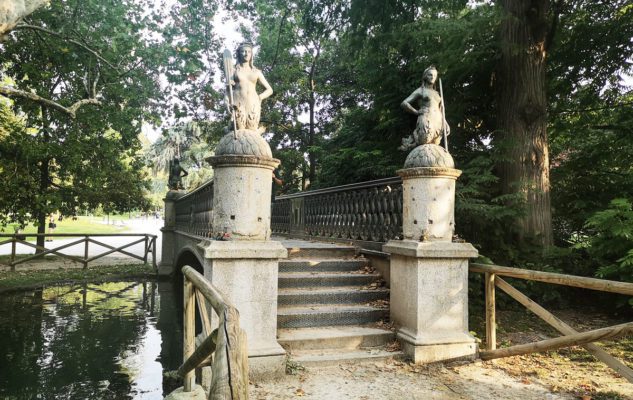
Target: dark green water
[(89, 341)]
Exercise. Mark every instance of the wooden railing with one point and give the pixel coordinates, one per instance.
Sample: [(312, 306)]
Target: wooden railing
[(571, 337), (223, 348), (149, 246)]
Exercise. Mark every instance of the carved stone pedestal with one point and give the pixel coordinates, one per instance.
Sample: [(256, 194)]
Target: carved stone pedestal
[(429, 273), (245, 267)]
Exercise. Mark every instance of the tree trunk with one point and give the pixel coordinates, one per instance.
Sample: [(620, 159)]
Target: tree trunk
[(312, 128), (522, 114), (41, 217)]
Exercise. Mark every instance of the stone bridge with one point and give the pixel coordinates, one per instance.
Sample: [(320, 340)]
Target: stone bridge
[(345, 263)]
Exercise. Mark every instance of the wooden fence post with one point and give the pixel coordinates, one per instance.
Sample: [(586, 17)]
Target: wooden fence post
[(189, 326), (13, 245), (491, 327), (154, 253), (146, 249), (86, 252)]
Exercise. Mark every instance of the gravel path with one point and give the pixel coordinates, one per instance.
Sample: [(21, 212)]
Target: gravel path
[(393, 380)]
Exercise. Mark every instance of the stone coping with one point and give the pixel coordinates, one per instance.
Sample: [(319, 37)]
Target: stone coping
[(242, 249), (436, 172), (413, 248), (438, 337), (234, 160)]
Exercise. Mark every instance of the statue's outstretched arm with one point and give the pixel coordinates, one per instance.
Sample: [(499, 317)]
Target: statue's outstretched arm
[(268, 90), (406, 103)]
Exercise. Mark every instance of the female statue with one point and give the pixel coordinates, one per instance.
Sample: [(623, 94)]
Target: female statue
[(430, 121), (246, 100)]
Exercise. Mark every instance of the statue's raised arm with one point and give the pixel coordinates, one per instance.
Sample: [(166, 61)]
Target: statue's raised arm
[(246, 100), (426, 103)]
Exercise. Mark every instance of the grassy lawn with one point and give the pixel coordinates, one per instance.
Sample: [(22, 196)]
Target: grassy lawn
[(24, 279), (81, 225)]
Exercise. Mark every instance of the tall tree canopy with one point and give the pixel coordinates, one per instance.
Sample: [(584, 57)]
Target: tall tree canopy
[(81, 76), (511, 71)]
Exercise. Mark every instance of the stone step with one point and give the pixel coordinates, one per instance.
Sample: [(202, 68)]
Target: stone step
[(331, 295), (314, 265), (318, 250), (329, 315), (307, 280), (323, 358), (340, 337)]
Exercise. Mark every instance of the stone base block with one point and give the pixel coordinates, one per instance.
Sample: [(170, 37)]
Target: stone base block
[(267, 368), (246, 273), (426, 354), (429, 299), (427, 349)]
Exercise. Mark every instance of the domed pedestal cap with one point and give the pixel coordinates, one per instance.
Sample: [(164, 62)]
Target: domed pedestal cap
[(429, 155), (243, 142)]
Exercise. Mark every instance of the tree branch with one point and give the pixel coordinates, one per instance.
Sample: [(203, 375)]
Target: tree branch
[(73, 41), (72, 110), (281, 27)]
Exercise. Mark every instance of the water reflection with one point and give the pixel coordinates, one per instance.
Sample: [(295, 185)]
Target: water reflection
[(90, 341)]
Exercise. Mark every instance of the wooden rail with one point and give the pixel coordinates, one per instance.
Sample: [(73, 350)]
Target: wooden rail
[(149, 246), (571, 336), (226, 345)]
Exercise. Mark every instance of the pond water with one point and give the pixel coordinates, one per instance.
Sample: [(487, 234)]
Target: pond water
[(89, 341)]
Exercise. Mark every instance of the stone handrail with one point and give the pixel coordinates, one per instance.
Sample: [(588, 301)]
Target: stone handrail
[(365, 212)]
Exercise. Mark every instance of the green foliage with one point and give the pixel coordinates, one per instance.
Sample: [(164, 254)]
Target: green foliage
[(592, 161), (185, 141), (611, 244), (108, 50)]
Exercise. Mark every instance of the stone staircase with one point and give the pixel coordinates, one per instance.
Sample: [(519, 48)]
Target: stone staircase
[(332, 307)]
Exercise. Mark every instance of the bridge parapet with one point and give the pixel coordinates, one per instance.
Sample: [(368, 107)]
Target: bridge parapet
[(194, 211), (369, 213)]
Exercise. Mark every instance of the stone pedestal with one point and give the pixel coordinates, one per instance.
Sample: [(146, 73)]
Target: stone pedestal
[(429, 273), (168, 244), (246, 272), (245, 267), (429, 299)]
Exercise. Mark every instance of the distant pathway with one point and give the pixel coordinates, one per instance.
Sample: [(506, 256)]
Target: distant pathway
[(151, 226)]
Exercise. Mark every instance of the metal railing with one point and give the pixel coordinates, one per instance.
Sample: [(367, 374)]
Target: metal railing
[(366, 211), (149, 246), (223, 348), (194, 211), (571, 337)]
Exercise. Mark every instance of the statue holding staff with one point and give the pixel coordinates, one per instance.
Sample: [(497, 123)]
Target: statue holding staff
[(242, 85), (428, 105)]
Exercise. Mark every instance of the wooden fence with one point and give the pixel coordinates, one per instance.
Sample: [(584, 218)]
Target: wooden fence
[(149, 243), (224, 348), (571, 337)]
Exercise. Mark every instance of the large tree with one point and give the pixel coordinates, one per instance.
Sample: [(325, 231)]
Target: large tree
[(82, 75), (525, 36)]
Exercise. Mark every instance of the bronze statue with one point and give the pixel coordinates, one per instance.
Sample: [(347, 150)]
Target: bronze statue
[(176, 172), (431, 124)]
